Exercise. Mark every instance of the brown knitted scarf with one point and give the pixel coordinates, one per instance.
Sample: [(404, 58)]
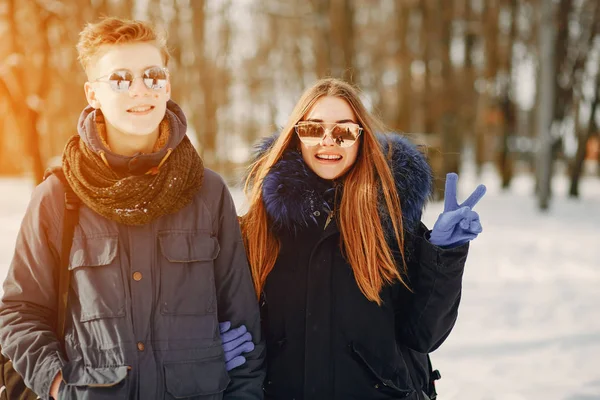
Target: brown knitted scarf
[(138, 199)]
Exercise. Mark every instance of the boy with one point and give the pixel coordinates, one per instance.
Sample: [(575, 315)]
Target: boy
[(157, 258)]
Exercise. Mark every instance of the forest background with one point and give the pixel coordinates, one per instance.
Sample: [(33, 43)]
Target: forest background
[(515, 83)]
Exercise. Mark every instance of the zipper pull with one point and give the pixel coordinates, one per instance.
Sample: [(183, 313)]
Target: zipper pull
[(329, 218)]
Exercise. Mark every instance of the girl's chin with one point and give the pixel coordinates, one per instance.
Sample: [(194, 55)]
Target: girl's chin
[(329, 173)]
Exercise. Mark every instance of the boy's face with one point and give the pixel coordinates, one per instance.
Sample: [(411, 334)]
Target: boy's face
[(139, 110)]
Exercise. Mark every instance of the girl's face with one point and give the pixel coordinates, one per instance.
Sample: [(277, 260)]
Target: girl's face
[(327, 158)]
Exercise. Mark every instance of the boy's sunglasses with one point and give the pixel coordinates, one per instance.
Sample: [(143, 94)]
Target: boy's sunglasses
[(312, 133), (120, 81)]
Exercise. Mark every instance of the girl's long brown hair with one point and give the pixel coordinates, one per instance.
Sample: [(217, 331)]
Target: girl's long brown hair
[(363, 242)]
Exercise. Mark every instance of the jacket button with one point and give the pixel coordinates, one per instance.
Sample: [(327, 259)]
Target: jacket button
[(141, 346), (137, 276), (317, 213), (377, 386)]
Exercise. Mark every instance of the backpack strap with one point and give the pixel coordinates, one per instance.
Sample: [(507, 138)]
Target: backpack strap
[(70, 221)]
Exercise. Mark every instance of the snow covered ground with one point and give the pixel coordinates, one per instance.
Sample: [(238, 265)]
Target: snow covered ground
[(529, 323)]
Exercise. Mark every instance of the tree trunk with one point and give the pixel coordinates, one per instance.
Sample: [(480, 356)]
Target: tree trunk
[(508, 107), (401, 116), (505, 158), (451, 139), (546, 103), (592, 17), (204, 125), (487, 107), (429, 38), (103, 8), (470, 96), (583, 139), (322, 38), (39, 165), (26, 117), (350, 74), (341, 27), (123, 8), (562, 92), (176, 47)]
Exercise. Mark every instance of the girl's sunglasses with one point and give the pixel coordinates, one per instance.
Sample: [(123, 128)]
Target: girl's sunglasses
[(120, 81), (312, 133)]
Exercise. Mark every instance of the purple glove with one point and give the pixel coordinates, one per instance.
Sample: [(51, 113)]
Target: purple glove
[(235, 342), (458, 224)]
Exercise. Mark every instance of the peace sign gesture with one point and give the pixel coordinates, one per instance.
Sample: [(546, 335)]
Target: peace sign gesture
[(458, 224)]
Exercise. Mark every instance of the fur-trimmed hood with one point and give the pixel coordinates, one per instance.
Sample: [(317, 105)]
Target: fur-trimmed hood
[(292, 192)]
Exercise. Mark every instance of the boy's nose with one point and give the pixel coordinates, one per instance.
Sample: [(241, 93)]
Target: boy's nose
[(138, 88)]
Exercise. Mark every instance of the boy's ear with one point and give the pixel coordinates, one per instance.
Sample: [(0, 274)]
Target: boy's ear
[(90, 95), (169, 89)]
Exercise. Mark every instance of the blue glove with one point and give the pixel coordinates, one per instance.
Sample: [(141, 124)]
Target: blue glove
[(458, 224), (235, 342)]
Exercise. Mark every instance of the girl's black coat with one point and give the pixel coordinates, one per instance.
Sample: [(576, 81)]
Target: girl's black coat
[(325, 340)]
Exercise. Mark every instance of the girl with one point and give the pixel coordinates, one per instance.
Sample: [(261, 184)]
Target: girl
[(355, 291)]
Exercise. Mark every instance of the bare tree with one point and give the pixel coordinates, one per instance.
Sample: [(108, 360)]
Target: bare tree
[(452, 142), (404, 60), (342, 25), (583, 137), (27, 100), (322, 37), (508, 107), (546, 102)]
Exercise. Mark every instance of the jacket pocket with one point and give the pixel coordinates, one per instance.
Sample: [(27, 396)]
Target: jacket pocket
[(97, 277), (388, 379), (202, 379), (95, 383), (187, 284)]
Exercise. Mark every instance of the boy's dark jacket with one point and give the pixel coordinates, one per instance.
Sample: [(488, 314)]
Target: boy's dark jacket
[(325, 340), (145, 301)]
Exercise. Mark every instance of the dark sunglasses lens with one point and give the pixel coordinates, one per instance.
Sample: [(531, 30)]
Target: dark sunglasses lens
[(155, 78), (310, 134), (120, 81), (345, 135)]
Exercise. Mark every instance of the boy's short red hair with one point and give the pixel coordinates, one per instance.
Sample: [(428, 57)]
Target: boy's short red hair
[(113, 30)]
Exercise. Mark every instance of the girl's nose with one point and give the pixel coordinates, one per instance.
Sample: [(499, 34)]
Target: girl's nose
[(327, 139)]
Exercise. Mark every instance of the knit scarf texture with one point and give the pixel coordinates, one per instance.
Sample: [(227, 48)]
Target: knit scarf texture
[(133, 199)]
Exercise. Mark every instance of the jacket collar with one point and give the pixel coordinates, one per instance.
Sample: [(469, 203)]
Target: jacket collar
[(294, 196), (89, 134)]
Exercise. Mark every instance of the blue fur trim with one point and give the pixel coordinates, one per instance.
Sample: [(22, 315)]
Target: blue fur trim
[(292, 191), (412, 176), (263, 145)]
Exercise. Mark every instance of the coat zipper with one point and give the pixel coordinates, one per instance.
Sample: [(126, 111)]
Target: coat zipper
[(310, 258)]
